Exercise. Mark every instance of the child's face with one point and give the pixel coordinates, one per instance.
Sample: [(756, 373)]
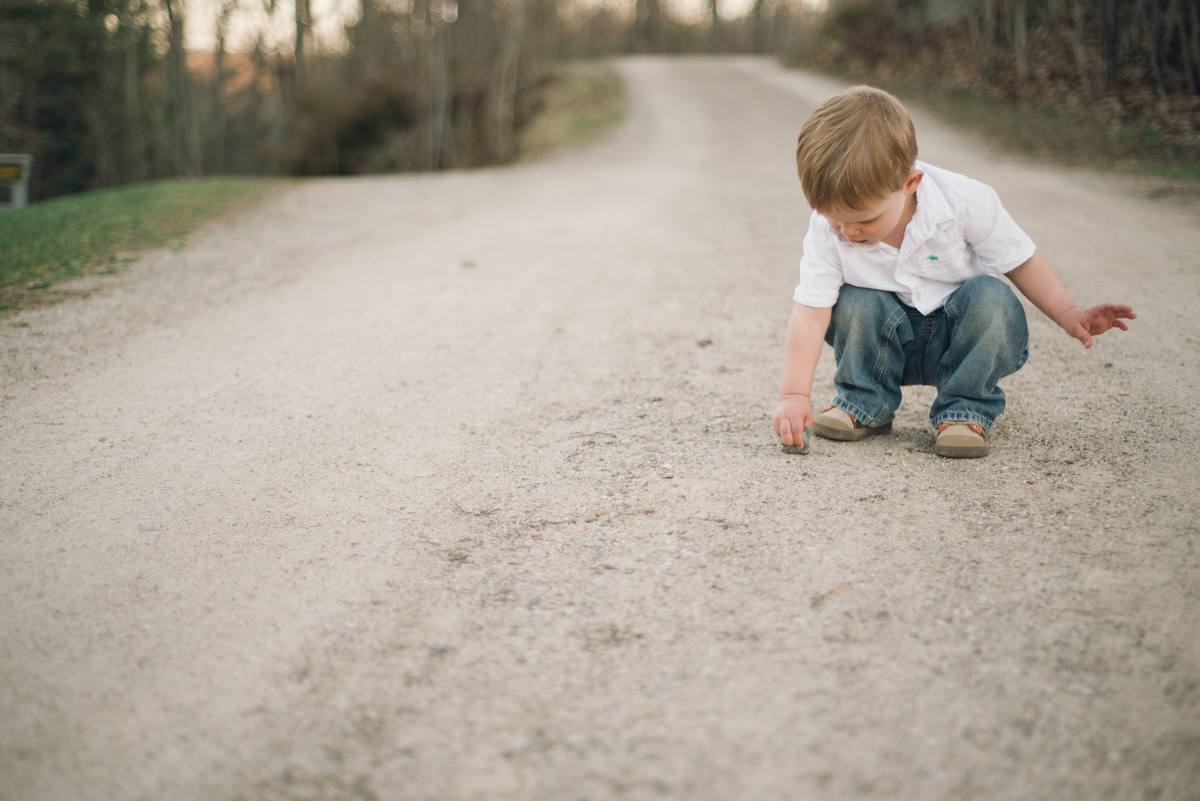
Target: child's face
[(880, 219)]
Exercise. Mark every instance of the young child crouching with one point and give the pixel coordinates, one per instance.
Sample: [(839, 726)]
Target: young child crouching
[(899, 276)]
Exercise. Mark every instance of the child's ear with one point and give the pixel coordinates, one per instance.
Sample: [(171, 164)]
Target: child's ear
[(913, 181)]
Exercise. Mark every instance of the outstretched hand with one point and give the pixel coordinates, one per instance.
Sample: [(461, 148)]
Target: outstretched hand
[(1083, 324)]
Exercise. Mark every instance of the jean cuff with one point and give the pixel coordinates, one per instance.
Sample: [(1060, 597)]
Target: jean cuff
[(860, 414), (952, 416)]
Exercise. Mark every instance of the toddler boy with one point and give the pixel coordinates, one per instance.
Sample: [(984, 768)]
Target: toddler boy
[(899, 276)]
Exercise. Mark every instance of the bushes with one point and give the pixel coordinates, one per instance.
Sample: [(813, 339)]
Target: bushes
[(1120, 77), (102, 94)]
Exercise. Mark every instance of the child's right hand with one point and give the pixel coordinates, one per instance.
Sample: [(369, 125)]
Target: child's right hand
[(793, 414)]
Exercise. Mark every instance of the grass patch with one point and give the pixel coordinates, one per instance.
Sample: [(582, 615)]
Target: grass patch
[(578, 103), (99, 231), (1178, 171)]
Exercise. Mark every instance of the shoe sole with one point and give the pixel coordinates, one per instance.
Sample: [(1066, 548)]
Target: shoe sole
[(850, 435), (961, 451)]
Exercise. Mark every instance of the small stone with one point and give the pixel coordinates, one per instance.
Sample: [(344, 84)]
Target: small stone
[(793, 450), (1108, 364), (533, 602), (704, 343)]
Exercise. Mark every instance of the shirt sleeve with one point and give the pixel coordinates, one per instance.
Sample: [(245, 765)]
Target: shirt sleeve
[(998, 242), (820, 266)]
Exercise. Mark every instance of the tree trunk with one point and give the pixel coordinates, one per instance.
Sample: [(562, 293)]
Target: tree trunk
[(1194, 45), (1077, 48), (973, 29), (714, 27), (505, 88), (302, 25), (366, 37), (217, 122), (757, 28), (439, 79), (1020, 51), (136, 142), (106, 168), (1151, 24), (179, 91), (989, 31), (647, 31), (1108, 40)]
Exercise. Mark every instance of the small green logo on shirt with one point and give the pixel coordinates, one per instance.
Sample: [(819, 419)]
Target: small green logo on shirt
[(932, 258)]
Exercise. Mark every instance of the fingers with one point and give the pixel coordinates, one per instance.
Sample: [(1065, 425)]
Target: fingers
[(785, 431), (1115, 310)]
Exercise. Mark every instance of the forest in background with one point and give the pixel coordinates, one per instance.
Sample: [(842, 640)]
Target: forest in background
[(104, 92), (1118, 78)]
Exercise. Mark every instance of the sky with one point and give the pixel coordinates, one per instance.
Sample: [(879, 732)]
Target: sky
[(330, 16)]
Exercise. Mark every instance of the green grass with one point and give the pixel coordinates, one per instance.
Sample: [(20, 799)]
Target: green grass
[(99, 231), (578, 103), (1179, 170)]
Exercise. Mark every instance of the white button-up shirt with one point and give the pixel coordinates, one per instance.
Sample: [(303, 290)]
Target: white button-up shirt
[(958, 231)]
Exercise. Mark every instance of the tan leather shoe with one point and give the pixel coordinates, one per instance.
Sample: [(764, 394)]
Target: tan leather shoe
[(836, 423), (961, 440)]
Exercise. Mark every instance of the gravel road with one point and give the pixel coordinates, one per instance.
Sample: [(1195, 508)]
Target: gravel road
[(464, 487)]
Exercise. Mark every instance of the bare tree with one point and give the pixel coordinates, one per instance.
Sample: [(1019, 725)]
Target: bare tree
[(1078, 20), (714, 27), (442, 18), (1020, 39), (131, 86), (758, 30), (504, 88), (217, 132), (180, 98), (303, 23), (647, 26)]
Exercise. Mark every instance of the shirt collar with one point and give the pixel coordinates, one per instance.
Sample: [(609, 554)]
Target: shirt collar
[(932, 207), (933, 212)]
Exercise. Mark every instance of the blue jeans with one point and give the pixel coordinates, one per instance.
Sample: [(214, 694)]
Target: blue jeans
[(963, 349)]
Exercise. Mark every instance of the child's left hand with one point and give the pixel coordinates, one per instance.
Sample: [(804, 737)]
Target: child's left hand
[(1083, 324)]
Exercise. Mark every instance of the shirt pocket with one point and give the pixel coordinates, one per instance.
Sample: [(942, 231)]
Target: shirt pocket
[(940, 262)]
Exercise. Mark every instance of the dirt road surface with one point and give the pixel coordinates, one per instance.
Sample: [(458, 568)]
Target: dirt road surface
[(463, 487)]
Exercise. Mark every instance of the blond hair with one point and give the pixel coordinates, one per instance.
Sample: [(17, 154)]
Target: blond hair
[(856, 148)]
